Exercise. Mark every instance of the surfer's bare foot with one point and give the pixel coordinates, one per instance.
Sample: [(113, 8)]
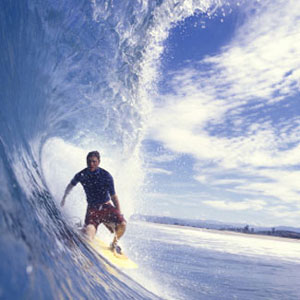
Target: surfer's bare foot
[(115, 248)]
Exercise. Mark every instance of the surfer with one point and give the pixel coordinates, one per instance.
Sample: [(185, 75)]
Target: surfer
[(99, 187)]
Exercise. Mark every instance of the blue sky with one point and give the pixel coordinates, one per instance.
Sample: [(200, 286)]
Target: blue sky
[(223, 141)]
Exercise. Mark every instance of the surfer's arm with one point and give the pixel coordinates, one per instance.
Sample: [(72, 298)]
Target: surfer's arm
[(115, 200), (67, 191)]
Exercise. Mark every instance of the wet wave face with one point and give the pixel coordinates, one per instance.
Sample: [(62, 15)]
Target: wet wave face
[(76, 73)]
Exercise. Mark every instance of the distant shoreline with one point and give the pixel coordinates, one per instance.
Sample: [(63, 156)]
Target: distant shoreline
[(274, 233), (227, 232)]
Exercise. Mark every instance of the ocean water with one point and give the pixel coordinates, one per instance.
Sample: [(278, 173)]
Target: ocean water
[(189, 263), (79, 75)]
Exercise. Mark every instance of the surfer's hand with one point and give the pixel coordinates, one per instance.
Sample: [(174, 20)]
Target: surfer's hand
[(63, 201)]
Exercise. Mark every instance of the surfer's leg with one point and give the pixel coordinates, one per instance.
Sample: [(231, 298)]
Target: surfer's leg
[(112, 215), (90, 231), (120, 230), (91, 223)]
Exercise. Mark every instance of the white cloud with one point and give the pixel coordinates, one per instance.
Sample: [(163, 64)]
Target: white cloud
[(178, 199), (235, 181), (282, 212), (201, 178), (232, 116), (264, 55), (283, 185), (242, 205), (159, 171), (163, 158)]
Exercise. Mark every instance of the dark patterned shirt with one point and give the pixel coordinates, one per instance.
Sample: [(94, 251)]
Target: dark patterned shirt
[(98, 185)]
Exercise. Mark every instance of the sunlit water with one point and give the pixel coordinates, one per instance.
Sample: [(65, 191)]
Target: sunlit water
[(189, 263)]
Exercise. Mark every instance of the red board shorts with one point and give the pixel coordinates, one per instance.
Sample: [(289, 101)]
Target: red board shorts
[(106, 214)]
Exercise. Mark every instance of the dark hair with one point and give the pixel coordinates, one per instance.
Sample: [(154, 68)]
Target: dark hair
[(93, 153)]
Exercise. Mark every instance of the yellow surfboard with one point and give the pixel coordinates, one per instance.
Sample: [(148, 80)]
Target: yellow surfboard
[(119, 260)]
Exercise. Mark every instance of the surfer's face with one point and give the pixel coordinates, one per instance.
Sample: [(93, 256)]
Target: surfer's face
[(93, 163)]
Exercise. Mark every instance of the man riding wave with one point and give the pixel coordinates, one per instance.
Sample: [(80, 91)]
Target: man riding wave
[(99, 188)]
